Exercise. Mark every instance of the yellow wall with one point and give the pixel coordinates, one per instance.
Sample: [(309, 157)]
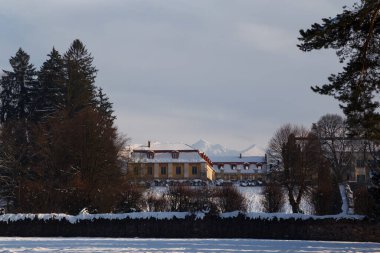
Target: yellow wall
[(210, 172), (142, 169)]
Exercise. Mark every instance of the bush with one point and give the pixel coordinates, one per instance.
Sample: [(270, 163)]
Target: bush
[(130, 198), (273, 200), (179, 198), (156, 203), (229, 199)]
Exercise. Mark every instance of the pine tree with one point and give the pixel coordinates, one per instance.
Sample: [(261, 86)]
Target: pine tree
[(355, 35), (18, 89), (80, 77), (104, 107), (52, 93)]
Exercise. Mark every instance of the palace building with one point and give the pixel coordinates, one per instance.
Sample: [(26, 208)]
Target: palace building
[(168, 161)]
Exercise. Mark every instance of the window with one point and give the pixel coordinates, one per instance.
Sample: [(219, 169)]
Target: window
[(194, 170), (150, 170), (163, 170), (178, 170), (175, 154), (246, 166), (233, 166), (150, 155), (135, 170), (220, 166)]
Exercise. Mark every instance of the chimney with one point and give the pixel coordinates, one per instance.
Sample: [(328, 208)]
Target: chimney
[(240, 156), (148, 144)]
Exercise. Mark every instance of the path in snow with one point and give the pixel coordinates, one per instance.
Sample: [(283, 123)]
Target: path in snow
[(97, 245)]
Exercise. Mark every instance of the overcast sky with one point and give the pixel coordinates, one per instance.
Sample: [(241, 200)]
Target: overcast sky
[(227, 71)]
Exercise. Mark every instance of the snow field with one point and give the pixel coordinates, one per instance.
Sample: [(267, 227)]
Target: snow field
[(97, 245)]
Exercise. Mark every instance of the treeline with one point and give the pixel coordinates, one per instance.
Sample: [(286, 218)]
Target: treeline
[(59, 147), (311, 163)]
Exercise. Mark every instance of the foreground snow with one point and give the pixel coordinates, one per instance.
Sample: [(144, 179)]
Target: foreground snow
[(86, 245)]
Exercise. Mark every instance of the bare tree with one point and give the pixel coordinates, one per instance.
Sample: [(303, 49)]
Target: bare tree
[(331, 130), (279, 139)]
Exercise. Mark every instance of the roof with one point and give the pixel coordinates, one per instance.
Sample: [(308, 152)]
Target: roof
[(156, 146), (238, 159)]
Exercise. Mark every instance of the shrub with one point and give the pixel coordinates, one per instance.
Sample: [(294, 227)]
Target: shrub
[(179, 198), (156, 203), (229, 199), (130, 198)]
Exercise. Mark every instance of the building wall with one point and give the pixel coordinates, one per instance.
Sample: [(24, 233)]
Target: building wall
[(140, 171)]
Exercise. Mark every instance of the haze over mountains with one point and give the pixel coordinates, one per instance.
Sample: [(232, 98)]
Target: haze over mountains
[(219, 150)]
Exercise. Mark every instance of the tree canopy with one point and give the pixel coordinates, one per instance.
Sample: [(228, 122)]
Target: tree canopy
[(355, 36)]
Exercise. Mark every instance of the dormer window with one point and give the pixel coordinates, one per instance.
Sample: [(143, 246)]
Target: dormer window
[(220, 166), (233, 166), (150, 155), (246, 166), (175, 154)]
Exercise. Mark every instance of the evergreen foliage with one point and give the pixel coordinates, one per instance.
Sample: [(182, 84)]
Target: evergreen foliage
[(355, 35), (60, 148), (19, 89), (52, 94)]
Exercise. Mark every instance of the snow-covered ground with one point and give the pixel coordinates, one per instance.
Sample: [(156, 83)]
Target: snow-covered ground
[(254, 197), (95, 245)]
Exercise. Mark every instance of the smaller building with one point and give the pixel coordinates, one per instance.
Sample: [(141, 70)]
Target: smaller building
[(168, 161), (239, 167)]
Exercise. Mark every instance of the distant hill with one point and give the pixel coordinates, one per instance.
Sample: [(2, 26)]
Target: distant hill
[(219, 150)]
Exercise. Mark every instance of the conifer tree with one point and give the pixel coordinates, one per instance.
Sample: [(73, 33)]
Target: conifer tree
[(80, 77), (52, 93), (104, 107), (355, 36), (18, 89)]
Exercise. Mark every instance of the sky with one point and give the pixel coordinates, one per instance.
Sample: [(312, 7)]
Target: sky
[(227, 71)]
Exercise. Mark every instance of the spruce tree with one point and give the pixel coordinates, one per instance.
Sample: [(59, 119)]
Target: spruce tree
[(19, 89), (80, 77), (104, 107), (355, 36), (52, 93)]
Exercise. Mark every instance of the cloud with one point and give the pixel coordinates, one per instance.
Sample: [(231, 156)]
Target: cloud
[(179, 70), (266, 37)]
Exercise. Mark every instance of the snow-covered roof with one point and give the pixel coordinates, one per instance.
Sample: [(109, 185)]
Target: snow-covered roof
[(166, 157), (238, 159), (155, 146)]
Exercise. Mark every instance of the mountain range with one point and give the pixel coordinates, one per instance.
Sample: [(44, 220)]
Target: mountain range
[(219, 150)]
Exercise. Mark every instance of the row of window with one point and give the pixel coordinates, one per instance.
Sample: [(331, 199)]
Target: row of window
[(233, 167), (175, 155), (163, 170)]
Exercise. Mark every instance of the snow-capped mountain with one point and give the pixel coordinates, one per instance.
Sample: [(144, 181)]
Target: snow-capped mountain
[(219, 150), (214, 149)]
